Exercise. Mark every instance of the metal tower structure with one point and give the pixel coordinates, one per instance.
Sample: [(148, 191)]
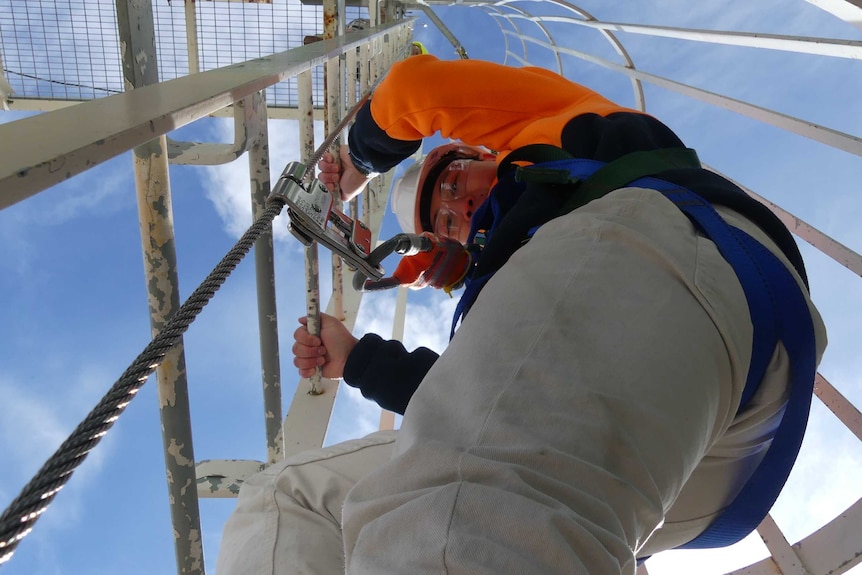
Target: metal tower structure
[(113, 76)]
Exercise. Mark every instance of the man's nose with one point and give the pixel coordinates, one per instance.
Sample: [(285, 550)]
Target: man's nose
[(463, 206)]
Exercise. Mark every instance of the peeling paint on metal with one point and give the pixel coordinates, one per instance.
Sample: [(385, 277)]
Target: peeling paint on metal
[(213, 483), (185, 487), (196, 550), (169, 374), (174, 449)]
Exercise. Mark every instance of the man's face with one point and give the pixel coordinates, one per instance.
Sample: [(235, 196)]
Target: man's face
[(460, 189)]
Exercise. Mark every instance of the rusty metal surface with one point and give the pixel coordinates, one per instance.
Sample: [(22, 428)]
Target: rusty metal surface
[(264, 260), (152, 182), (839, 405), (223, 477), (784, 556)]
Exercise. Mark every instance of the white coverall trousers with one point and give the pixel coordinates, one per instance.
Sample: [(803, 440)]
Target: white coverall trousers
[(589, 397)]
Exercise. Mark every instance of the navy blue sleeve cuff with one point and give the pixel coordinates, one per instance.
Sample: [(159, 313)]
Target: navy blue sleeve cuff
[(371, 149), (385, 372)]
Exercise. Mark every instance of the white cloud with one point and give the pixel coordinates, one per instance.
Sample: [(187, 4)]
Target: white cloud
[(30, 429), (33, 426), (229, 184), (427, 324), (429, 315), (101, 191)]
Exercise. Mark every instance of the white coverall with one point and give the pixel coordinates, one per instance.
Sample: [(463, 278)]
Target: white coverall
[(596, 423)]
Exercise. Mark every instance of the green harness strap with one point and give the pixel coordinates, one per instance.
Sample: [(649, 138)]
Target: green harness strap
[(612, 176)]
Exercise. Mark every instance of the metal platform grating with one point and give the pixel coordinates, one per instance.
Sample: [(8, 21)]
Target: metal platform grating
[(69, 50), (60, 50)]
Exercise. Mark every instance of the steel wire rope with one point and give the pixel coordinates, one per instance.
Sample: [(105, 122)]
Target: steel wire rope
[(18, 518)]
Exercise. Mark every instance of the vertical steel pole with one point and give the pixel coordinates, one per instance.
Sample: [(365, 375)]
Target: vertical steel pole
[(350, 98), (264, 260), (312, 266), (192, 37), (333, 25), (137, 43), (312, 306), (365, 55), (305, 107), (333, 114)]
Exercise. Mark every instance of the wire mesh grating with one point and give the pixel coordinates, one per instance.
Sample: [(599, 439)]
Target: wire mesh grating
[(69, 49), (63, 50)]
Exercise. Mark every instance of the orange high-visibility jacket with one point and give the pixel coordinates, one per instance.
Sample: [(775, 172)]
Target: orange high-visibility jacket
[(504, 108)]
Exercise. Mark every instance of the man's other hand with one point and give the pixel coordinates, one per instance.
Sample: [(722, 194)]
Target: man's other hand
[(329, 350)]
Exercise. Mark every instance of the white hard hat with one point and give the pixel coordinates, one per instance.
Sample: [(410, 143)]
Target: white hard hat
[(409, 190), (404, 191)]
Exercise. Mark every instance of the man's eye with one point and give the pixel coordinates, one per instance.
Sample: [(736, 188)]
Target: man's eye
[(451, 187)]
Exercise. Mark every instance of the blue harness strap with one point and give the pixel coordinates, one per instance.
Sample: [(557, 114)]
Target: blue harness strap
[(779, 312)]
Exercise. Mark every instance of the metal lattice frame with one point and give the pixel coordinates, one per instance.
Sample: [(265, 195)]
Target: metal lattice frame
[(526, 25)]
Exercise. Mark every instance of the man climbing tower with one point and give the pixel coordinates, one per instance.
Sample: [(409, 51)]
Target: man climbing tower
[(632, 367)]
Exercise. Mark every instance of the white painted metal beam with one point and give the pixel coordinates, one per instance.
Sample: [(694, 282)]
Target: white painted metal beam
[(49, 105), (783, 554), (839, 405), (832, 248), (5, 88), (833, 549), (803, 44), (220, 478), (192, 37), (95, 131)]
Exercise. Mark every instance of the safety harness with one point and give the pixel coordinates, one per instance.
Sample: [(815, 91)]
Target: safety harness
[(776, 303)]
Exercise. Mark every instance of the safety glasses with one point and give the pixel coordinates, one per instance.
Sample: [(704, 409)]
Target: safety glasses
[(452, 183)]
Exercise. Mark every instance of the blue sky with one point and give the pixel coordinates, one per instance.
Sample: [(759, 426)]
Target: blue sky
[(74, 310)]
